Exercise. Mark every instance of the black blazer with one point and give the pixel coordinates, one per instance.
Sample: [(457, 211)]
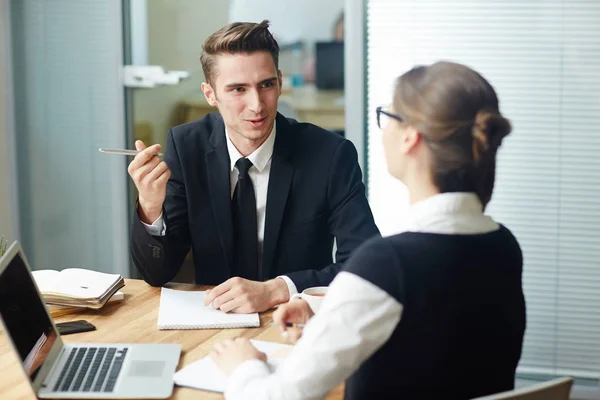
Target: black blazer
[(315, 194)]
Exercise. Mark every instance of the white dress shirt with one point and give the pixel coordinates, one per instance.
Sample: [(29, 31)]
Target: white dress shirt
[(355, 319), (259, 175)]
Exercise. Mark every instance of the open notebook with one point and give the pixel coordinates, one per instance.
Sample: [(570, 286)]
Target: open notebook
[(77, 287), (180, 309), (205, 375)]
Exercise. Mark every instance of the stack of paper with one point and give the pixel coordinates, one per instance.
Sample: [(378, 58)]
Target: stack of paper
[(75, 287), (205, 375), (180, 309), (57, 311)]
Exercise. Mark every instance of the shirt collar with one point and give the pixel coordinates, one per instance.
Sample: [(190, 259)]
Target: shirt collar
[(450, 213), (259, 157)]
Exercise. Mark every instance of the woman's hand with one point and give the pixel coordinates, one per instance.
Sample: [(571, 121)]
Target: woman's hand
[(296, 311), (231, 353)]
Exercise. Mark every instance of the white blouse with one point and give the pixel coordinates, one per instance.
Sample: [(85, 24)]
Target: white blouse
[(356, 317)]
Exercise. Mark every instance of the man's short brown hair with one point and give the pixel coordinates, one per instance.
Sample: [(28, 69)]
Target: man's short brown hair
[(237, 38)]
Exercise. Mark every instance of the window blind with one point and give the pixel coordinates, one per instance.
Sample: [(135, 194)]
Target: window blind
[(543, 58), (69, 101)]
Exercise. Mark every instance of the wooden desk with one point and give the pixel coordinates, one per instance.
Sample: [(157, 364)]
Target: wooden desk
[(323, 108), (134, 321)]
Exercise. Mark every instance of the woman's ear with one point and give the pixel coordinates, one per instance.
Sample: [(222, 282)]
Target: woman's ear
[(410, 139)]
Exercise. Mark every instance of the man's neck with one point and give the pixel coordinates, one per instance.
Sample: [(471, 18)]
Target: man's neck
[(246, 146)]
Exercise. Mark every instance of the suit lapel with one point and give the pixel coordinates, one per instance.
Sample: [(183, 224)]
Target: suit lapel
[(218, 169), (280, 180)]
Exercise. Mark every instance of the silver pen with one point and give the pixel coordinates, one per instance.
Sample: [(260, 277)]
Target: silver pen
[(125, 152), (289, 324)]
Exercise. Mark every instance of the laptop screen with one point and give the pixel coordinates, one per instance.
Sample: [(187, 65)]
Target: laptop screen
[(24, 315)]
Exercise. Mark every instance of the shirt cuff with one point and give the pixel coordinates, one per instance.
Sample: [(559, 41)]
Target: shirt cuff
[(243, 374), (290, 284), (158, 227), (314, 306)]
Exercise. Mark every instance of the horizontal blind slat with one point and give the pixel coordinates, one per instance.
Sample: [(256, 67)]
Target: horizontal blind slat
[(543, 58)]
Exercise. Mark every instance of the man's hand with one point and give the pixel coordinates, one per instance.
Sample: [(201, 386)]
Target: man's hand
[(239, 295), (231, 353), (297, 311), (150, 175)]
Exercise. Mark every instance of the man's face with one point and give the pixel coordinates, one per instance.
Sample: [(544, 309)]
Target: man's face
[(246, 89)]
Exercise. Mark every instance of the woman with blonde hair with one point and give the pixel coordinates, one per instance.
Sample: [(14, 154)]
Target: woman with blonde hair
[(436, 311)]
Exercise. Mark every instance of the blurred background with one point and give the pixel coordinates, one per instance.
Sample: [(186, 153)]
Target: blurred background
[(177, 29), (88, 74), (79, 75)]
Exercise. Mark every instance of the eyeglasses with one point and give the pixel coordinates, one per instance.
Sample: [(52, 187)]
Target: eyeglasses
[(383, 117)]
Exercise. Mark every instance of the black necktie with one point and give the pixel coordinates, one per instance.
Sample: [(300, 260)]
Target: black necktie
[(243, 207)]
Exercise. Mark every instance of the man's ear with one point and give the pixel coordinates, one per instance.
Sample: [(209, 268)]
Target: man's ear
[(209, 93)]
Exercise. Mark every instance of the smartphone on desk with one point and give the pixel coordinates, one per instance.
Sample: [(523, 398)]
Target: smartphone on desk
[(65, 328)]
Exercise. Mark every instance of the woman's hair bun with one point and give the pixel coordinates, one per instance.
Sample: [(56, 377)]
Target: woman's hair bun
[(488, 131)]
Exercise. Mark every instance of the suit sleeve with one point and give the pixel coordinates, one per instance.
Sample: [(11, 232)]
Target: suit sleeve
[(159, 258), (350, 220)]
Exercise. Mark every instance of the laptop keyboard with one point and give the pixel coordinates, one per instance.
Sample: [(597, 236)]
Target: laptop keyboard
[(91, 369)]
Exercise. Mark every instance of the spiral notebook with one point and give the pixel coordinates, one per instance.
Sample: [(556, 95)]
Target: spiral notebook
[(181, 309)]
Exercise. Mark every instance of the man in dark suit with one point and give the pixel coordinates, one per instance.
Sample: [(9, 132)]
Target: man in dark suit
[(257, 196)]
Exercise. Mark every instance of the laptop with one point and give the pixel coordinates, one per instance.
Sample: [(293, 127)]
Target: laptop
[(75, 370)]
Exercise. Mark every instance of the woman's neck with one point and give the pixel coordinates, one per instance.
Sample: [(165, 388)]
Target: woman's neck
[(419, 189)]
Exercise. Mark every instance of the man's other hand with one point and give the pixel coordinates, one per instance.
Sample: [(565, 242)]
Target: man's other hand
[(242, 296)]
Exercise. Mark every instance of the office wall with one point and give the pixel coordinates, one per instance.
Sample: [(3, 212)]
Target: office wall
[(68, 102), (6, 203), (308, 20), (176, 31)]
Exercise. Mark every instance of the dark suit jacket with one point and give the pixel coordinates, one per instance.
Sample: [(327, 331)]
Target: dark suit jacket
[(315, 194)]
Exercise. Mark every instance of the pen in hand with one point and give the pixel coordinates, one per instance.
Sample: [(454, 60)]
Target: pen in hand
[(125, 152), (289, 325)]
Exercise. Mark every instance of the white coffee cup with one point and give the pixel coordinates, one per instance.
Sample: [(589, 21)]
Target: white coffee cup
[(314, 296)]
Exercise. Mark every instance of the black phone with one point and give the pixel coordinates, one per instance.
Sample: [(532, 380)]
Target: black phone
[(65, 328)]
